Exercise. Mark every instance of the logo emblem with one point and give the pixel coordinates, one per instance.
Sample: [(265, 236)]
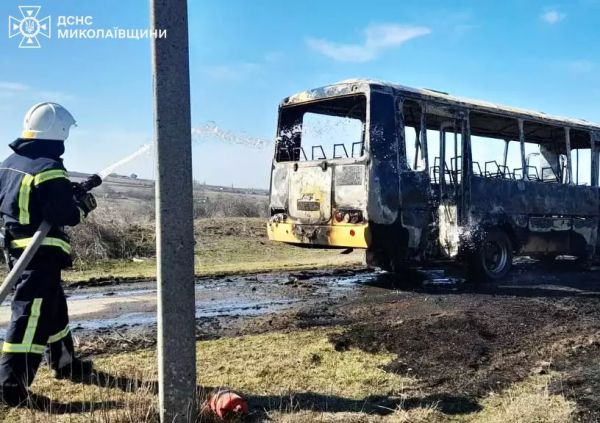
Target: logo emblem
[(29, 27)]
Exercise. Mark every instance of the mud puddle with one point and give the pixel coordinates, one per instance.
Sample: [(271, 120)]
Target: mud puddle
[(102, 308)]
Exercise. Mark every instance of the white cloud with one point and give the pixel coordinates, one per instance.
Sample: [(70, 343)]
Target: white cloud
[(377, 38), (552, 16)]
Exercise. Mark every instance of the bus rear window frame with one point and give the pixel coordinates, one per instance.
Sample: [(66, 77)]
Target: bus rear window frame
[(308, 107)]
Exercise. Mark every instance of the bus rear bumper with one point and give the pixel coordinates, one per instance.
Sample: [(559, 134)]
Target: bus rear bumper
[(344, 236)]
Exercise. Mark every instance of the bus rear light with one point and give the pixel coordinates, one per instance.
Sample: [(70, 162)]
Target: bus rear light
[(352, 233), (348, 216), (356, 217)]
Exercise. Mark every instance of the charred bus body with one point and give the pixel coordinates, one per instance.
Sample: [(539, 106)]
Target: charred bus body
[(415, 175)]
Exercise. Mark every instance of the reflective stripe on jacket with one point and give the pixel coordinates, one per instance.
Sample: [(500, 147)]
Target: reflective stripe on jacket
[(34, 186)]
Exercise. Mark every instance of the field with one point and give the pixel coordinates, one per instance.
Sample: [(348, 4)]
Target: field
[(309, 335), (118, 241)]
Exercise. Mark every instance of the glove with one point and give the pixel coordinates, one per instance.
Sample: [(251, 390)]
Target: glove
[(78, 190), (87, 203)]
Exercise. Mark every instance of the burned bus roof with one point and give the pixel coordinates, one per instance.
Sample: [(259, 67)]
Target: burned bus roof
[(352, 86)]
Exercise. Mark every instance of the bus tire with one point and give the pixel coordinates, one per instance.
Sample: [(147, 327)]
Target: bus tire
[(492, 259), (585, 261)]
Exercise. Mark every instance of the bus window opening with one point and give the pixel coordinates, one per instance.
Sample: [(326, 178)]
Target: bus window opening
[(329, 129)]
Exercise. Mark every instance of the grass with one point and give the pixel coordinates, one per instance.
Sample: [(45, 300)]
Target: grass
[(290, 377), (527, 401), (224, 246), (397, 416), (314, 366)]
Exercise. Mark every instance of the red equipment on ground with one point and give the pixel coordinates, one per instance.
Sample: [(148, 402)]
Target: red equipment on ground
[(225, 404)]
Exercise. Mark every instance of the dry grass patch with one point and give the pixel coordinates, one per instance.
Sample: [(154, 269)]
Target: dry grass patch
[(281, 373), (418, 415), (268, 368), (524, 402), (223, 246), (292, 363)]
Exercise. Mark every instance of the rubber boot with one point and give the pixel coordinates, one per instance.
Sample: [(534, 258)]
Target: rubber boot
[(76, 371)]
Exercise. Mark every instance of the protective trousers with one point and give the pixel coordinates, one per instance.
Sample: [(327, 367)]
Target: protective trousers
[(39, 325)]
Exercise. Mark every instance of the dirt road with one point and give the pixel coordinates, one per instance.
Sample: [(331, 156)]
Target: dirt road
[(462, 341)]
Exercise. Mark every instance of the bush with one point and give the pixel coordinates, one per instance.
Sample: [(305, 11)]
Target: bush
[(122, 229), (105, 237), (231, 206)]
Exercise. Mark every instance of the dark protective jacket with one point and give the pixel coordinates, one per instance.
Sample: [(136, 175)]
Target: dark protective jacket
[(34, 186)]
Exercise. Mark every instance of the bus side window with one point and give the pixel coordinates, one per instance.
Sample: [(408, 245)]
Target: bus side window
[(495, 148), (453, 148), (537, 170), (411, 113), (581, 157), (546, 155), (582, 163), (454, 153)]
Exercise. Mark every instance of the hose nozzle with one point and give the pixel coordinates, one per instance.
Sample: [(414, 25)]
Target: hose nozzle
[(91, 182)]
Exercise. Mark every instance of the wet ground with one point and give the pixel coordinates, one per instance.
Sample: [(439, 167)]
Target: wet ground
[(465, 341), (460, 340), (105, 306)]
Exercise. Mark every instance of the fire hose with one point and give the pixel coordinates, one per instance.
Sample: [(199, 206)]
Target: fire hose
[(41, 233), (79, 190)]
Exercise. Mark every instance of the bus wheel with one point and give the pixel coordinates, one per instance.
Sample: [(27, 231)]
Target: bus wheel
[(492, 260), (585, 261)]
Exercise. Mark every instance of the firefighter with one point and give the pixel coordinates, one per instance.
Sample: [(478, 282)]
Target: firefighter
[(34, 186)]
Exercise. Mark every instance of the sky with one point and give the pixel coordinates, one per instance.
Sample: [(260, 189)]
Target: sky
[(245, 56)]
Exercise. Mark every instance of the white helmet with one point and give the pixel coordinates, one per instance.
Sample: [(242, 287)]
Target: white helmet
[(47, 121)]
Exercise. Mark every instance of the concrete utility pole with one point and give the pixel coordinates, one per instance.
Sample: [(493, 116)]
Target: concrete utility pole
[(174, 217)]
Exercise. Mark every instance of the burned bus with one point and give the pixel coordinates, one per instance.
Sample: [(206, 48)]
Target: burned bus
[(417, 175)]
